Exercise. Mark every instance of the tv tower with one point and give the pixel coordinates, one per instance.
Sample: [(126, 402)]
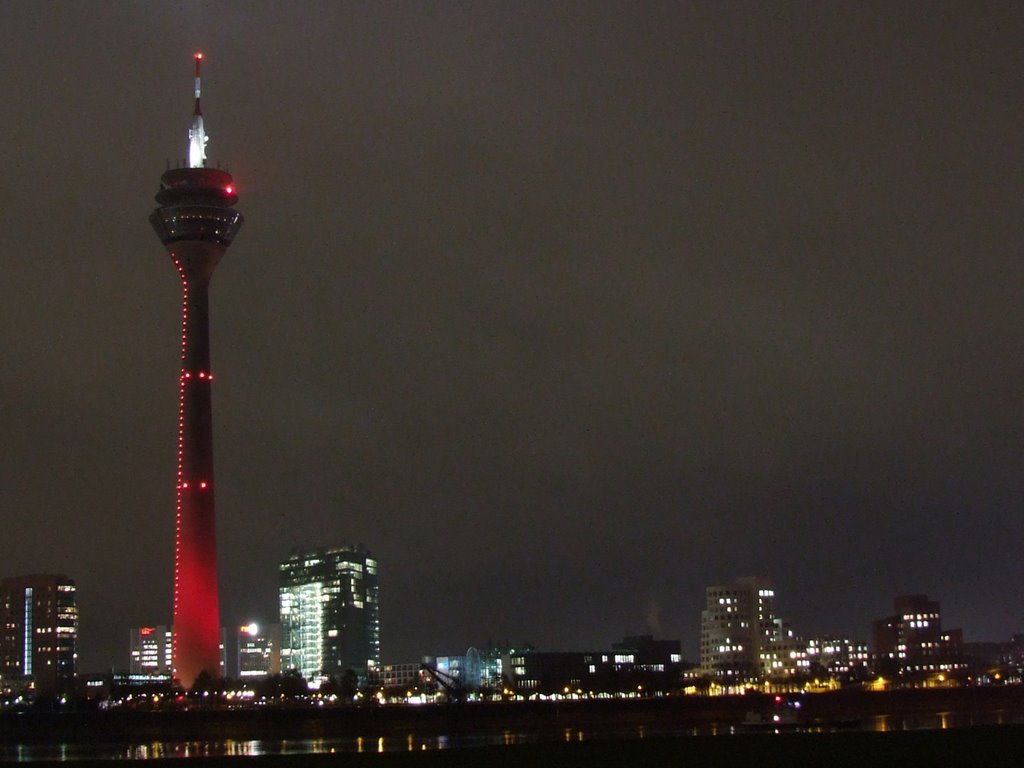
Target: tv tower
[(196, 224)]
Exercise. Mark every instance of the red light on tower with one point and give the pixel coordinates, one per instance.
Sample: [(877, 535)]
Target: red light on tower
[(199, 55)]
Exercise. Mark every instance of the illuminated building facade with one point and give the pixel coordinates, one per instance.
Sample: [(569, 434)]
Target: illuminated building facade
[(196, 224), (838, 657), (636, 665), (259, 650), (912, 642), (39, 631), (468, 670), (150, 652), (741, 638), (403, 676), (330, 612)]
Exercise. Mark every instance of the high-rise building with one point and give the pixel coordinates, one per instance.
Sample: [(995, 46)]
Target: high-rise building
[(259, 650), (912, 642), (150, 652), (741, 638), (196, 224), (330, 612), (735, 624), (38, 631)]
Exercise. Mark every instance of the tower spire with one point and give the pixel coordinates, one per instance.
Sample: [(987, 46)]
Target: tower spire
[(197, 137)]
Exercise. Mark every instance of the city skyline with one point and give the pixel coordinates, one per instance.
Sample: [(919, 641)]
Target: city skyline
[(328, 623), (329, 614), (567, 311), (742, 636)]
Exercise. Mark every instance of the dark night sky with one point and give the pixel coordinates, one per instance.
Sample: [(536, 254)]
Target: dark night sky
[(565, 310)]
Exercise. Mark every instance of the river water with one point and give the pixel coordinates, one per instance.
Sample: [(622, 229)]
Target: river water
[(156, 750)]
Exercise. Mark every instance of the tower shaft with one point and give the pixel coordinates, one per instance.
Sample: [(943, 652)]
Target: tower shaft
[(196, 602), (196, 225)]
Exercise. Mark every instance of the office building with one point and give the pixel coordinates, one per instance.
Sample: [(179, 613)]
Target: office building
[(39, 631), (404, 676), (150, 652), (838, 657), (912, 642), (651, 655), (259, 650), (330, 612)]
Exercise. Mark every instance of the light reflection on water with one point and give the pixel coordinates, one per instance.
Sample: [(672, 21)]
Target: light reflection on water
[(939, 721), (157, 750), (412, 742)]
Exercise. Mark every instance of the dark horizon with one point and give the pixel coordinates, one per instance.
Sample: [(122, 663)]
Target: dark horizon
[(564, 312)]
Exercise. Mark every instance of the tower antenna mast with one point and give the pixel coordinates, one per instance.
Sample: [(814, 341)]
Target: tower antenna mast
[(197, 137)]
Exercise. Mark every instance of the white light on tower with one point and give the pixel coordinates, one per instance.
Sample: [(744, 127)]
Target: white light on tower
[(197, 137)]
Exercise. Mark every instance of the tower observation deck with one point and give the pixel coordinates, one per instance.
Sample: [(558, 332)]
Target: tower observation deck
[(196, 224)]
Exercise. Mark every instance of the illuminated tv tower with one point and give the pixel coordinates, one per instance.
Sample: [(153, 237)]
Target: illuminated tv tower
[(196, 224)]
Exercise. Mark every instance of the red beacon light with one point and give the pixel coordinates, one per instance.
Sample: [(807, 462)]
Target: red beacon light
[(229, 189), (199, 55)]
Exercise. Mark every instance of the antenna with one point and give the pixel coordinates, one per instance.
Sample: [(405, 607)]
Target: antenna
[(199, 61), (197, 137)]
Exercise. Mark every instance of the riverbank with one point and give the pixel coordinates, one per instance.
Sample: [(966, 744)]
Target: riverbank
[(544, 720)]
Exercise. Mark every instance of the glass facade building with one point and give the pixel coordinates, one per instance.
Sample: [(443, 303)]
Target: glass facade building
[(330, 612)]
